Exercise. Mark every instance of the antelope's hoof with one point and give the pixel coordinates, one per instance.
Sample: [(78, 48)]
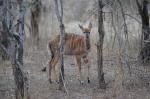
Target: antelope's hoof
[(57, 82), (50, 81), (43, 69), (81, 82), (88, 80)]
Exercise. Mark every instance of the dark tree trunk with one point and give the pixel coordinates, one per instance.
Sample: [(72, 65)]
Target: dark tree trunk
[(145, 38), (59, 14), (15, 52), (5, 42), (3, 35), (35, 17), (100, 46)]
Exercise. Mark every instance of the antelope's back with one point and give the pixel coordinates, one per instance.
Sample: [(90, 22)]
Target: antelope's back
[(73, 44)]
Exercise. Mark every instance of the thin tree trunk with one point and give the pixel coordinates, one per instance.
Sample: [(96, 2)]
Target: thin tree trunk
[(59, 14), (3, 35), (100, 46), (20, 51), (4, 41), (35, 16), (119, 76)]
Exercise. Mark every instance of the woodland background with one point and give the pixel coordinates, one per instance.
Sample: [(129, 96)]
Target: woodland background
[(26, 26)]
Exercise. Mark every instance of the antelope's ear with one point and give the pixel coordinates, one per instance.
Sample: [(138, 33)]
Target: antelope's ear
[(90, 25), (81, 27)]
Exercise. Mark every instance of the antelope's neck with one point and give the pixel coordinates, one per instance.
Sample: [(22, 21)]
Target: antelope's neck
[(87, 41)]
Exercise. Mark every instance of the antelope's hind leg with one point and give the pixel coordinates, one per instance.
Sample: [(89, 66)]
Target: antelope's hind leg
[(52, 64), (53, 67), (50, 68)]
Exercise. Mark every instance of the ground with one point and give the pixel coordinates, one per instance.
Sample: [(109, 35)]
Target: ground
[(35, 59)]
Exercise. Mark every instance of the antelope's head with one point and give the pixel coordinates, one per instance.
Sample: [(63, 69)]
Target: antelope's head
[(86, 32)]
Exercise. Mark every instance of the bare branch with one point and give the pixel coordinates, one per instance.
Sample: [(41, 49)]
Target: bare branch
[(139, 6), (133, 18), (4, 50)]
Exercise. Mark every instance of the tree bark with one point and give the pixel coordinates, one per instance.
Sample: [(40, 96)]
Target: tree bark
[(35, 16), (5, 42), (145, 38), (100, 46), (59, 14), (16, 46), (3, 34)]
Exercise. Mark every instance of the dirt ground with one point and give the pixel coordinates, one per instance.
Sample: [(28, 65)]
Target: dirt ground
[(40, 88)]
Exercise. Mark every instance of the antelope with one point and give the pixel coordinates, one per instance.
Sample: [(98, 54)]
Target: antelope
[(74, 45)]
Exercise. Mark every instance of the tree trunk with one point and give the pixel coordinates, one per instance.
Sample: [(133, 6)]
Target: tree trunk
[(5, 42), (59, 14), (145, 39), (3, 35), (16, 46), (100, 46), (35, 16)]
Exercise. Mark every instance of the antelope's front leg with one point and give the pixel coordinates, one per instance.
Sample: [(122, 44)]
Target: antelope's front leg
[(78, 59), (87, 62)]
